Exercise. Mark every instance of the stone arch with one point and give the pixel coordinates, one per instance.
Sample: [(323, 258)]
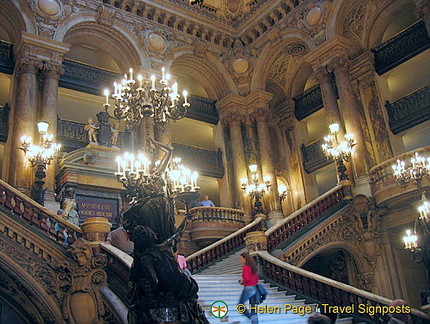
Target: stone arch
[(31, 295), (382, 19), (112, 41), (15, 20), (272, 52), (212, 77), (360, 268)]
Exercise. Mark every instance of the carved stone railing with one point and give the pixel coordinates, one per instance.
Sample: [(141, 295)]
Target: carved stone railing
[(317, 210), (410, 110), (86, 78), (206, 162), (384, 184), (314, 157), (19, 205), (209, 224), (6, 57), (202, 109), (400, 48), (323, 290), (4, 122), (221, 248)]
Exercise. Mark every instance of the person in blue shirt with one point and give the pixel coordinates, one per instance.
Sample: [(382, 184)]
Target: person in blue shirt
[(206, 202)]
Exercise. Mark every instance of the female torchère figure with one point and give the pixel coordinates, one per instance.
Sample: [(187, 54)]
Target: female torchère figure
[(156, 281), (249, 281)]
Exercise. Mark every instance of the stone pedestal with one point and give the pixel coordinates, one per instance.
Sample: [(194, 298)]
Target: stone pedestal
[(95, 230), (256, 241), (273, 218)]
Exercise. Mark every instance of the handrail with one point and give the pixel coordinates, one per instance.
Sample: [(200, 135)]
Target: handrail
[(228, 244), (307, 214), (35, 214), (326, 290)]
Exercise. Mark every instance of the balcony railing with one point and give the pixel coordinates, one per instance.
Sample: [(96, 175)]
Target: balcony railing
[(217, 214), (221, 248), (310, 101), (6, 57), (385, 188), (314, 157), (206, 162), (410, 110), (400, 48), (279, 235), (210, 224), (323, 290)]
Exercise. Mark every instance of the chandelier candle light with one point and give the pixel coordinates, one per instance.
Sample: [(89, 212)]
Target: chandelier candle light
[(255, 189), (40, 156), (338, 151), (135, 99)]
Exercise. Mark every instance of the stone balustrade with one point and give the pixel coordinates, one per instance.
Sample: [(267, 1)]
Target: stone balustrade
[(385, 188), (209, 224)]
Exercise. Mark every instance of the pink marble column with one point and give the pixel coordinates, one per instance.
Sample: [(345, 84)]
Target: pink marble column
[(328, 96), (351, 115), (239, 163), (331, 109), (267, 166), (48, 113), (22, 122)]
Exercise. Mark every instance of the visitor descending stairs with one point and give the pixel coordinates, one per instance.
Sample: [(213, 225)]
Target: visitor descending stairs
[(219, 283)]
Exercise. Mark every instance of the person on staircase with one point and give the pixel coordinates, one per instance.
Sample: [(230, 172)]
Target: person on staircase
[(249, 281)]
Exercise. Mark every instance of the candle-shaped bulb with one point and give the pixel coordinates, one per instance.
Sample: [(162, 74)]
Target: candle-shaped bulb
[(185, 94), (107, 96), (153, 81), (131, 73)]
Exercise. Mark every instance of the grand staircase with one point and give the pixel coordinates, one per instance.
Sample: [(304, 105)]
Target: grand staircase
[(219, 282)]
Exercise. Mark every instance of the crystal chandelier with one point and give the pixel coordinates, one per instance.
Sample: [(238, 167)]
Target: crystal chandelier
[(255, 189), (419, 169), (145, 97), (338, 151)]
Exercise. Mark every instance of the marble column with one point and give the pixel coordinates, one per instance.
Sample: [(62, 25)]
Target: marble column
[(328, 94), (296, 197), (352, 118), (331, 109), (267, 166), (378, 143), (22, 122), (239, 162), (254, 154), (48, 112)]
